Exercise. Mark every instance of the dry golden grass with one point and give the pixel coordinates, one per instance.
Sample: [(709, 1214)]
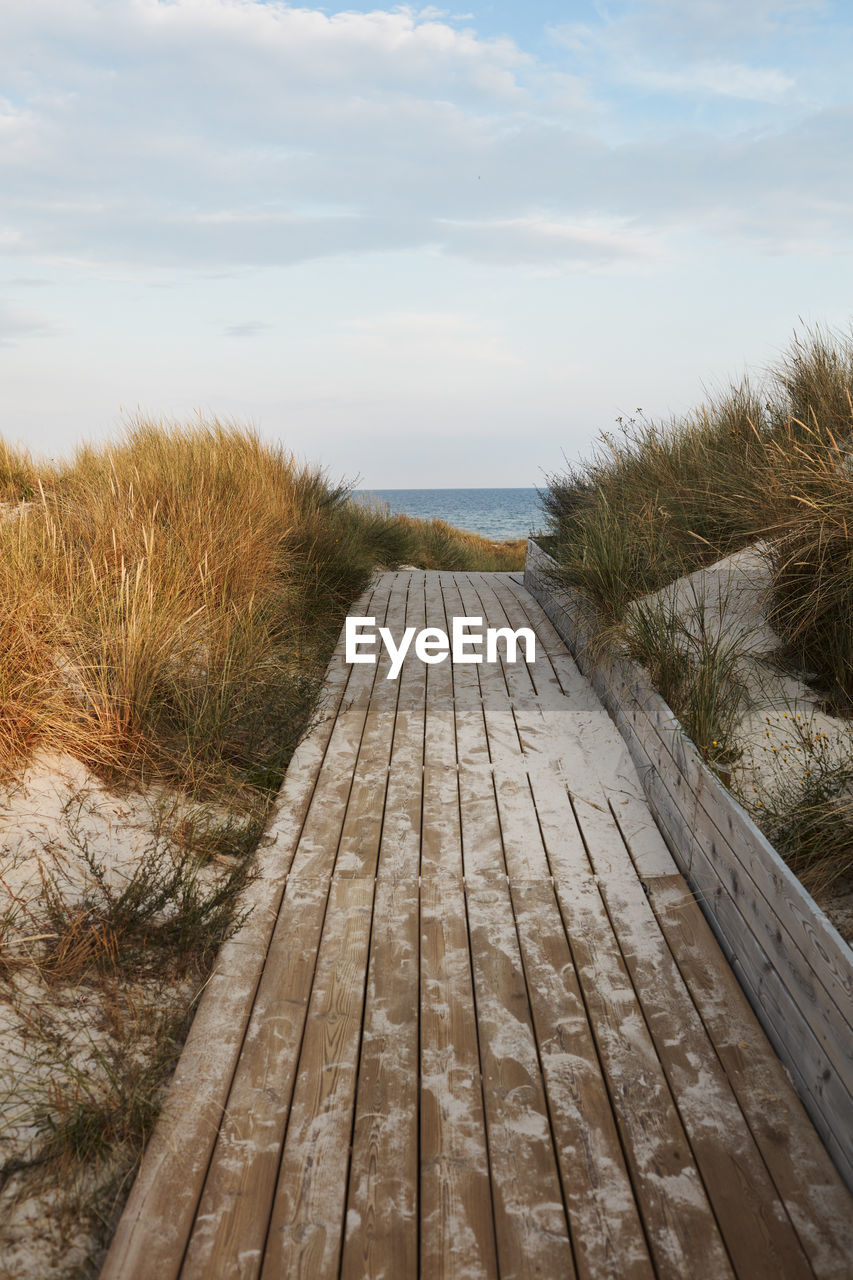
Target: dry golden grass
[(156, 599), (168, 603), (434, 544)]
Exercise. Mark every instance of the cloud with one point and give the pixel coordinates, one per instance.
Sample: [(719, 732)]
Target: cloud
[(19, 323), (230, 134), (730, 80), (544, 241), (247, 329)]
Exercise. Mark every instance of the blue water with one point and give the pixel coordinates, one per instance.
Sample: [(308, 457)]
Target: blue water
[(494, 513)]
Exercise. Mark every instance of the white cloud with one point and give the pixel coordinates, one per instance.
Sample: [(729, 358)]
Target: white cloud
[(247, 329), (19, 323), (730, 80), (234, 134)]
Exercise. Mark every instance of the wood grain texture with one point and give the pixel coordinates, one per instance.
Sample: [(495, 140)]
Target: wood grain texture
[(606, 1230), (794, 968), (306, 1223), (157, 1221), (457, 1039), (381, 1241), (530, 1220), (457, 1224), (817, 1203)]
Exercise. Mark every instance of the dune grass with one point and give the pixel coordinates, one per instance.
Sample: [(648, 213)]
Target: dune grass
[(169, 603), (771, 465), (434, 544)]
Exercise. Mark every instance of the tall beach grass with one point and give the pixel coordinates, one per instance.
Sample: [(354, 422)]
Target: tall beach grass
[(770, 465)]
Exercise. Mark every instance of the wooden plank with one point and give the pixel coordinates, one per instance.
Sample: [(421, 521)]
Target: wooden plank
[(783, 1020), (606, 1231), (803, 975), (441, 677), (530, 1222), (306, 1223), (358, 847), (231, 1222), (678, 1219), (554, 674), (400, 849), (679, 1223), (316, 854), (752, 1219), (457, 1226), (466, 680), (802, 919), (817, 1201), (482, 843), (157, 1221), (399, 852), (524, 851), (518, 675), (412, 678), (441, 840), (381, 1241), (493, 684), (771, 904), (572, 681), (649, 852)]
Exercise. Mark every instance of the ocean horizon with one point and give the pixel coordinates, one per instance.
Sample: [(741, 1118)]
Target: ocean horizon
[(493, 513)]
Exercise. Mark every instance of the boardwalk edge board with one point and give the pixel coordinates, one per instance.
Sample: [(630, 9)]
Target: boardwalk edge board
[(794, 967)]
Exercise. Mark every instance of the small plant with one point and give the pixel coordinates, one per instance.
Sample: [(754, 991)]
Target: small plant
[(694, 666), (167, 910), (806, 807)]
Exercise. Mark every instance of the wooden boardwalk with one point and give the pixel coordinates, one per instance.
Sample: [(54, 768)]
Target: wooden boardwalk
[(476, 1025)]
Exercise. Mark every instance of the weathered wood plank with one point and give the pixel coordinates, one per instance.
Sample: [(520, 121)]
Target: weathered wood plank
[(754, 1224), (457, 1225), (519, 675), (530, 1220), (817, 1202), (306, 1222), (316, 854), (754, 930), (784, 1021), (381, 1241), (606, 1231), (677, 1216), (679, 1222), (231, 1222)]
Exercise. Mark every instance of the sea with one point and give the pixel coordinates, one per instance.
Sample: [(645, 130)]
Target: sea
[(494, 513)]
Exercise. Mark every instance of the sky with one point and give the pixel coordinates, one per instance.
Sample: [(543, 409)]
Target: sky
[(421, 247)]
